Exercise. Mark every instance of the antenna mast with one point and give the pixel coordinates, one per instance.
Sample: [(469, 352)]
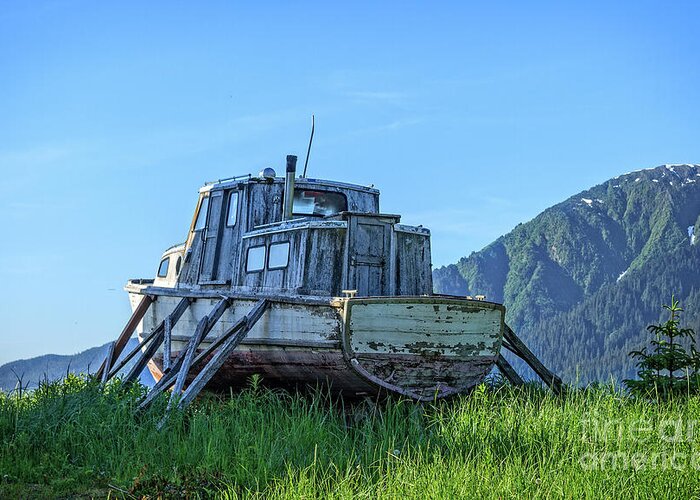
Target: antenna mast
[(306, 163)]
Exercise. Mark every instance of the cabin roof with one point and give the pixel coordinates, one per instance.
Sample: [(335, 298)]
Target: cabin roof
[(303, 181)]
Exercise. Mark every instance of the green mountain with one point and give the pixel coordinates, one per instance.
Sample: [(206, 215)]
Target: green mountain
[(582, 280)]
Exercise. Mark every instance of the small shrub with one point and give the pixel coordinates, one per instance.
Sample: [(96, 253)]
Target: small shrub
[(673, 365)]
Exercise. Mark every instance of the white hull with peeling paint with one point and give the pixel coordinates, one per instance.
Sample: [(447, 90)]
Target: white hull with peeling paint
[(421, 347)]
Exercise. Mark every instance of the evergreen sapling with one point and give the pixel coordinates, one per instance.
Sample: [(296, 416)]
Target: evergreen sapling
[(672, 366)]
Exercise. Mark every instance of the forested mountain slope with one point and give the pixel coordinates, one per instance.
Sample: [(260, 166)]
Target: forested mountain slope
[(582, 280)]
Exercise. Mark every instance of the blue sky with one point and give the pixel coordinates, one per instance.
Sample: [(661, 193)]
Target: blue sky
[(469, 117)]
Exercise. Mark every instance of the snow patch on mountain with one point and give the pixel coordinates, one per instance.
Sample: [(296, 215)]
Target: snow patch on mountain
[(671, 167)]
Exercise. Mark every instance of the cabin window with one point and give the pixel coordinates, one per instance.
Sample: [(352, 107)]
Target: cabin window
[(255, 261), (202, 214), (279, 255), (321, 203), (178, 263), (163, 268), (232, 209)]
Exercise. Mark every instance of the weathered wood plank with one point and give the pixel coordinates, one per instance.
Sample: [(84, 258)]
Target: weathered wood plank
[(428, 327), (413, 272), (284, 343), (283, 322), (508, 371), (123, 362), (204, 326), (165, 383), (522, 351), (217, 312), (108, 362), (437, 318), (437, 392), (144, 358), (187, 360), (167, 348), (422, 376), (217, 293)]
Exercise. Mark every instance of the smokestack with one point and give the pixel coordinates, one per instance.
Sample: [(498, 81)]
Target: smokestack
[(289, 187)]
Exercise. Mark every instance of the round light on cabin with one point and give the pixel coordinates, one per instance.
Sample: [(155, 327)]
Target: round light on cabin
[(268, 173)]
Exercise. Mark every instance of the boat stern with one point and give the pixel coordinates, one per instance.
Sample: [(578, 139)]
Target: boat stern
[(422, 347)]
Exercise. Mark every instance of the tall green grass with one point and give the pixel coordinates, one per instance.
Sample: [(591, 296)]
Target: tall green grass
[(76, 437)]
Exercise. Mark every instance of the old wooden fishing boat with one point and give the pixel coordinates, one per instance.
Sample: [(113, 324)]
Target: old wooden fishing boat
[(305, 281)]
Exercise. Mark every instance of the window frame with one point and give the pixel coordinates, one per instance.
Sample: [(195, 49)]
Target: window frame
[(232, 194), (278, 243), (301, 214), (165, 261), (204, 200), (264, 259)]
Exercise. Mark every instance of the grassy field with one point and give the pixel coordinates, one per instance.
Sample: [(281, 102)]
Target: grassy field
[(75, 438)]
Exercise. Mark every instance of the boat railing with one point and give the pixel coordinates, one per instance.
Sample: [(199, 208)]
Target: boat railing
[(229, 179)]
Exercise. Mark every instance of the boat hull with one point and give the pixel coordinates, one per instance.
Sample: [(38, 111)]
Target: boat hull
[(420, 347)]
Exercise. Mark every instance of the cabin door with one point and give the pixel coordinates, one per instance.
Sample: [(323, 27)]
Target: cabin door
[(368, 256), (212, 239)]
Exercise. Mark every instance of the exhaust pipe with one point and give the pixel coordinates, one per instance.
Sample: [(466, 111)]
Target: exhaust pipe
[(289, 187)]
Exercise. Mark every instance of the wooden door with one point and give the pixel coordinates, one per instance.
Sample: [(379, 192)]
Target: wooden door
[(368, 256), (212, 239)]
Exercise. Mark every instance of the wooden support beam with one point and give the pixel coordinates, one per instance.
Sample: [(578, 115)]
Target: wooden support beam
[(126, 334), (155, 343), (220, 340), (167, 349), (187, 361), (203, 328), (217, 312), (165, 383), (108, 362), (508, 371), (219, 309), (144, 358), (210, 369), (509, 347), (521, 350), (122, 363), (169, 378)]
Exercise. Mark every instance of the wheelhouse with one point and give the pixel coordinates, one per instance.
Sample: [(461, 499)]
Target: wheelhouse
[(334, 238)]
